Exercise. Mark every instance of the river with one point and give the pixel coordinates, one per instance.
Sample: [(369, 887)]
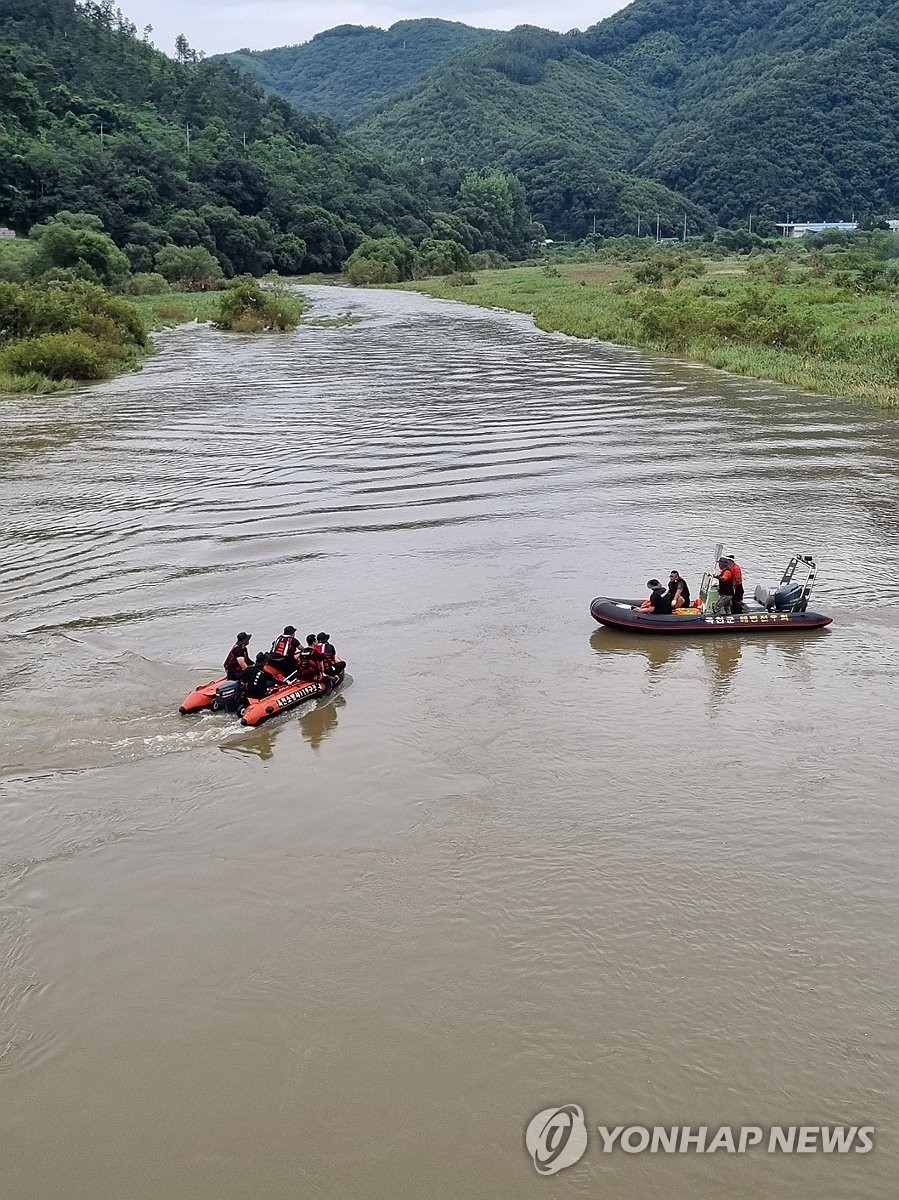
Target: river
[(520, 861)]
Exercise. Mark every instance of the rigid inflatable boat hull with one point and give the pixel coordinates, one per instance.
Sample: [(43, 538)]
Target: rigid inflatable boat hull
[(619, 614)]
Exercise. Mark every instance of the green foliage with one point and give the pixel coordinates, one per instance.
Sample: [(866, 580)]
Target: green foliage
[(382, 260), (150, 284), (440, 257), (192, 268), (668, 268), (76, 331), (17, 258), (245, 307), (765, 108), (187, 153), (346, 71), (57, 356), (76, 244)]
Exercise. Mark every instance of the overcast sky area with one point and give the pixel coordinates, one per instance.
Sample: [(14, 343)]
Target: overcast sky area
[(218, 25)]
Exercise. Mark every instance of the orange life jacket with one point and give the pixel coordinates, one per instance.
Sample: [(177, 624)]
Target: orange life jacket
[(285, 646)]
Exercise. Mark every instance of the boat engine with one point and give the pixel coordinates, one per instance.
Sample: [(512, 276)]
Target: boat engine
[(786, 597), (226, 696)]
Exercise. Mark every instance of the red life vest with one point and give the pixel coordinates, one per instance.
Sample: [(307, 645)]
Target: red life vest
[(736, 571), (232, 662), (325, 651), (308, 663)]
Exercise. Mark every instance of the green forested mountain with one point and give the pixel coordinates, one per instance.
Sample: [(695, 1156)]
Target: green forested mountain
[(192, 153), (346, 71), (787, 107), (568, 125)]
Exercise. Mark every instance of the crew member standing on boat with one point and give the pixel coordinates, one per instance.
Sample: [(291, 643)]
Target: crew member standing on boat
[(737, 572), (724, 575), (238, 656)]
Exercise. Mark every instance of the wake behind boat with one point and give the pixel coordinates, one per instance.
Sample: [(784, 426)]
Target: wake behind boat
[(784, 608)]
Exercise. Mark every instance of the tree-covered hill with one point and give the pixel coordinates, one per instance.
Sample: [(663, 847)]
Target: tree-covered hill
[(565, 123), (746, 106), (784, 106), (191, 153), (346, 71)]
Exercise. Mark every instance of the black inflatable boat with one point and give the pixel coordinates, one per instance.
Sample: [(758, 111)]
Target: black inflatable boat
[(782, 609)]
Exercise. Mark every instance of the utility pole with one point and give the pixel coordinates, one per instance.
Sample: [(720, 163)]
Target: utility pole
[(101, 137), (750, 222), (638, 224), (658, 234), (685, 227), (187, 132), (594, 224), (244, 140)]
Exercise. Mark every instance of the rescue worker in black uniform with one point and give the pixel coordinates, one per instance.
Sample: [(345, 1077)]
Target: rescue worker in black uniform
[(256, 680)]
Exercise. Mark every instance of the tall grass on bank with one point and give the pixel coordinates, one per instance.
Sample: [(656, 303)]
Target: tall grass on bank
[(167, 309), (795, 327)]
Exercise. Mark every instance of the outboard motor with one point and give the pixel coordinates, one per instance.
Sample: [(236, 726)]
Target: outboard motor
[(788, 598), (226, 696)]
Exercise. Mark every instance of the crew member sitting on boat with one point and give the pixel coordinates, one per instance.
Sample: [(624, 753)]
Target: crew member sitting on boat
[(678, 591), (309, 665), (658, 601), (331, 664), (725, 577), (238, 656), (284, 650), (257, 680)]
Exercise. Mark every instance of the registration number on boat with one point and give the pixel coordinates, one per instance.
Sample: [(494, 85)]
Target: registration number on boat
[(296, 697), (749, 619)]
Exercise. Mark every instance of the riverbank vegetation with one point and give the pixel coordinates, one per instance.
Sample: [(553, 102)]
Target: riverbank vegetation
[(55, 334), (72, 310), (246, 308), (823, 315)]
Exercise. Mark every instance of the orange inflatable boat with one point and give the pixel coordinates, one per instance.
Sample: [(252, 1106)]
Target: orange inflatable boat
[(224, 694)]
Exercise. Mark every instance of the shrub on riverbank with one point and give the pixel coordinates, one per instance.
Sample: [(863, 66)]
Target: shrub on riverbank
[(245, 307), (65, 333)]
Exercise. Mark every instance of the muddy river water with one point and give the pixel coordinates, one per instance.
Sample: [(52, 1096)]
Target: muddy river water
[(521, 861)]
